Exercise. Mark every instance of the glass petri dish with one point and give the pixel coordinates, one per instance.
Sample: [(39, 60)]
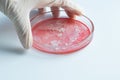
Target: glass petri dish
[(51, 35)]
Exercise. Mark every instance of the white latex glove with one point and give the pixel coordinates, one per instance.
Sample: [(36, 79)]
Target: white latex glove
[(18, 11)]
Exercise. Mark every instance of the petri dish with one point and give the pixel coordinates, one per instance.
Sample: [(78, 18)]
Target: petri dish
[(61, 35)]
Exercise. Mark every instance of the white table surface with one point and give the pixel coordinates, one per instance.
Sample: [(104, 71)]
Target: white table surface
[(98, 61)]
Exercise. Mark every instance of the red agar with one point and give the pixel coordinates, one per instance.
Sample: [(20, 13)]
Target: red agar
[(59, 35)]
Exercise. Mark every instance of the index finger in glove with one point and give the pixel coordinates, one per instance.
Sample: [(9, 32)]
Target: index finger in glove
[(71, 8)]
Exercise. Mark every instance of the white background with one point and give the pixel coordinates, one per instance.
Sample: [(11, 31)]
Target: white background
[(98, 61)]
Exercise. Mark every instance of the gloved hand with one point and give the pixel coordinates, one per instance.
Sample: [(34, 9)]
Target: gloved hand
[(18, 11)]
